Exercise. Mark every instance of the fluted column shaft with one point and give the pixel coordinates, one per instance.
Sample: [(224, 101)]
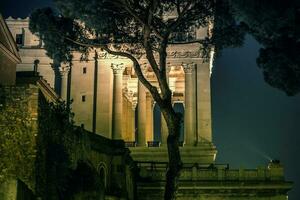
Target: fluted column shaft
[(64, 72), (190, 104), (203, 103), (128, 120), (117, 115), (132, 119), (125, 119)]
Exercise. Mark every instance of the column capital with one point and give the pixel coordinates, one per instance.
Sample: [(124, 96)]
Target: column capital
[(188, 68), (117, 68), (64, 70)]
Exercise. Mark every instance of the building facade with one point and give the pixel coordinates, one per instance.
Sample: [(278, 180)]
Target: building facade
[(9, 56), (107, 99)]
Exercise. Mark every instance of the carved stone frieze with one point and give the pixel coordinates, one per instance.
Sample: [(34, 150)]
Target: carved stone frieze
[(170, 54)]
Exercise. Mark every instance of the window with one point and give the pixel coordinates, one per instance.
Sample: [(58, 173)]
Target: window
[(84, 70), (19, 39), (83, 98)]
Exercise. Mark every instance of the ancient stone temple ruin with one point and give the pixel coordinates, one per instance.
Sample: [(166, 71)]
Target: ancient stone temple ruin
[(108, 100)]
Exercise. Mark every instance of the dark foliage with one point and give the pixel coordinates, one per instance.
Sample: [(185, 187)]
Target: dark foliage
[(134, 28), (275, 25)]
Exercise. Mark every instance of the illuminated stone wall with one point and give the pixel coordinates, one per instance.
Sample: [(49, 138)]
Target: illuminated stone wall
[(78, 83), (7, 70), (49, 154)]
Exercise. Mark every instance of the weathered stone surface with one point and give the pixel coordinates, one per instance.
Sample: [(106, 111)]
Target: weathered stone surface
[(53, 153)]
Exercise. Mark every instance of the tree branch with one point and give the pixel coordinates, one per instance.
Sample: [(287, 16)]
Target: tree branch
[(180, 17), (138, 18)]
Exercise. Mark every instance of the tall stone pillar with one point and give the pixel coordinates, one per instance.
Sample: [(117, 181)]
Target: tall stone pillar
[(190, 104), (128, 120), (125, 117), (117, 120), (64, 72), (133, 130), (141, 139), (204, 132), (149, 118)]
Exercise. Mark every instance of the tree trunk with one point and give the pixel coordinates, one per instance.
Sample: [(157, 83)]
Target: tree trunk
[(175, 164)]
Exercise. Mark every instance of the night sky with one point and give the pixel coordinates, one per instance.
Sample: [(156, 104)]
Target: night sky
[(251, 120)]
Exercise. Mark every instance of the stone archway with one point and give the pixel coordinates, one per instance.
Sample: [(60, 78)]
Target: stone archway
[(103, 172)]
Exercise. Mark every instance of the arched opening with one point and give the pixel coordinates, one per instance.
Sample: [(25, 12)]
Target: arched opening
[(103, 174), (178, 107)]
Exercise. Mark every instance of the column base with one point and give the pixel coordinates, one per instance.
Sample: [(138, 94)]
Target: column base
[(204, 153)]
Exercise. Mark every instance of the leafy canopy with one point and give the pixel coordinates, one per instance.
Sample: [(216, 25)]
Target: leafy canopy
[(144, 25), (275, 25), (118, 22)]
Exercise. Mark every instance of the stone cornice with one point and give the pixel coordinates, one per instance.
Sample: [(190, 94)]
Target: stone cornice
[(9, 54), (170, 54)]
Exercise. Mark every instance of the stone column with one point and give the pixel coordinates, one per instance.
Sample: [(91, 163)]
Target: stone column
[(117, 113), (149, 118), (190, 104), (125, 117), (64, 72), (132, 133), (128, 120), (141, 139), (204, 132)]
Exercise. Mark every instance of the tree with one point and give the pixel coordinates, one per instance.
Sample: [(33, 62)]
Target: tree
[(128, 28), (275, 26)]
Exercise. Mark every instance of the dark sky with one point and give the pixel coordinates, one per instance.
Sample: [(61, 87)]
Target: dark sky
[(251, 120)]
